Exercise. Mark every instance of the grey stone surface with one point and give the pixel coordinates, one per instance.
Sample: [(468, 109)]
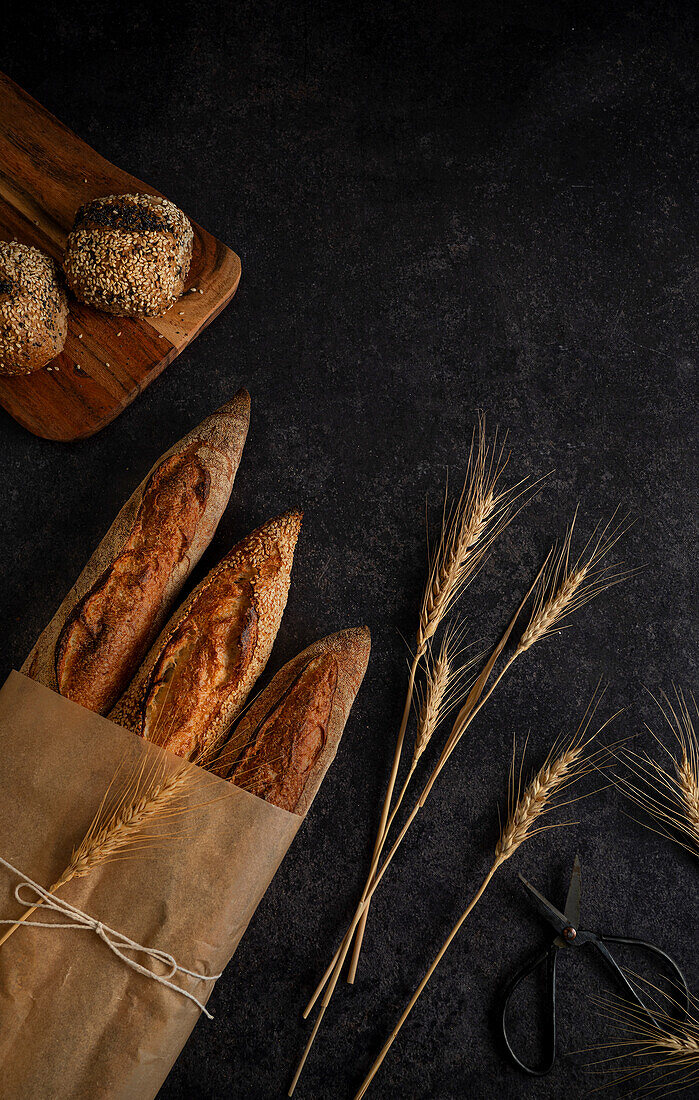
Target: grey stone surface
[(439, 208)]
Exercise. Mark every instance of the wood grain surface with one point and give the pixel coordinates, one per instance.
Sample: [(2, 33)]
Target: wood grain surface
[(46, 173)]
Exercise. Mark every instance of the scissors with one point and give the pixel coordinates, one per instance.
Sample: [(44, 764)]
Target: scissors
[(569, 934)]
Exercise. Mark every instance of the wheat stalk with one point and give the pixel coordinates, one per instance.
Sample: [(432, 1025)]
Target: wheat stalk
[(469, 528), (561, 768), (666, 1049), (127, 820), (670, 794), (556, 597)]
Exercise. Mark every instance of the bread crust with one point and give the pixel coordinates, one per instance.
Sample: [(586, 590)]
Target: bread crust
[(198, 674), (337, 664), (102, 616)]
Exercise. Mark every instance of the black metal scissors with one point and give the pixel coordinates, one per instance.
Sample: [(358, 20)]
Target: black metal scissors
[(569, 934)]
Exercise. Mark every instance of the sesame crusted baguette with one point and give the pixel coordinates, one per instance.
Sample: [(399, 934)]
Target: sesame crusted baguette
[(285, 742), (104, 626), (199, 672)]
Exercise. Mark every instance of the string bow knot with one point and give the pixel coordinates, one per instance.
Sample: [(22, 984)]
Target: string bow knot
[(117, 942)]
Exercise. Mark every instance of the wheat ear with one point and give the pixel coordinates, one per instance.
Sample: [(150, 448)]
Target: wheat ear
[(561, 768), (445, 685), (670, 1045), (468, 530), (127, 821), (669, 793)]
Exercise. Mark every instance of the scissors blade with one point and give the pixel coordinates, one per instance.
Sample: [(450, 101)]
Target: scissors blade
[(572, 909), (554, 916)]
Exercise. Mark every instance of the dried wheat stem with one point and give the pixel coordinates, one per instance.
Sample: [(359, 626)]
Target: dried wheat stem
[(557, 597), (385, 809), (25, 916), (442, 692), (480, 515), (411, 1003), (332, 973), (557, 772)]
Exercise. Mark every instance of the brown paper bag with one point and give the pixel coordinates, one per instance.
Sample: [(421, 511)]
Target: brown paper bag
[(76, 1021)]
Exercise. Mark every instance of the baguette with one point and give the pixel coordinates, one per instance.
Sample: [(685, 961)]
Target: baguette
[(104, 626), (283, 745), (201, 669)]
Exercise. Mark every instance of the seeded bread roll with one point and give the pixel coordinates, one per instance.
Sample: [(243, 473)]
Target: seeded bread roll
[(33, 309), (102, 630), (283, 745), (201, 669), (129, 254)]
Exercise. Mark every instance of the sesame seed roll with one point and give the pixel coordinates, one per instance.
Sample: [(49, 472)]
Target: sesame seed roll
[(129, 254), (33, 309)]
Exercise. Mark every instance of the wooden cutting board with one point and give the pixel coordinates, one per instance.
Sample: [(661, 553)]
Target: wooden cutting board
[(46, 172)]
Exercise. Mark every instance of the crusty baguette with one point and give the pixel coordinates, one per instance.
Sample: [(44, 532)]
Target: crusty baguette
[(103, 628), (199, 672), (285, 742)]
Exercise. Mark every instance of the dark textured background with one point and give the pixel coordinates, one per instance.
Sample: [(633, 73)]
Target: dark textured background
[(439, 208)]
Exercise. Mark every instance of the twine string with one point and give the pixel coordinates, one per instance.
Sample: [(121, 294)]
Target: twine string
[(117, 942)]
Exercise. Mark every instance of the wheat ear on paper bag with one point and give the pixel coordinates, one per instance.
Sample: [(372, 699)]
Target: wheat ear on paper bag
[(561, 587), (669, 792), (469, 528), (129, 820), (527, 807), (664, 1052)]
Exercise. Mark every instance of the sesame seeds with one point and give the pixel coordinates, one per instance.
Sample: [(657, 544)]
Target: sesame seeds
[(129, 254), (33, 309)]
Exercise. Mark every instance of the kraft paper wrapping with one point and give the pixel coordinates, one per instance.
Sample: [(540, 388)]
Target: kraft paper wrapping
[(75, 1021)]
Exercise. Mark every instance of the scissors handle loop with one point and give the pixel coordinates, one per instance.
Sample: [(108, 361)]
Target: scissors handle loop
[(548, 956)]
